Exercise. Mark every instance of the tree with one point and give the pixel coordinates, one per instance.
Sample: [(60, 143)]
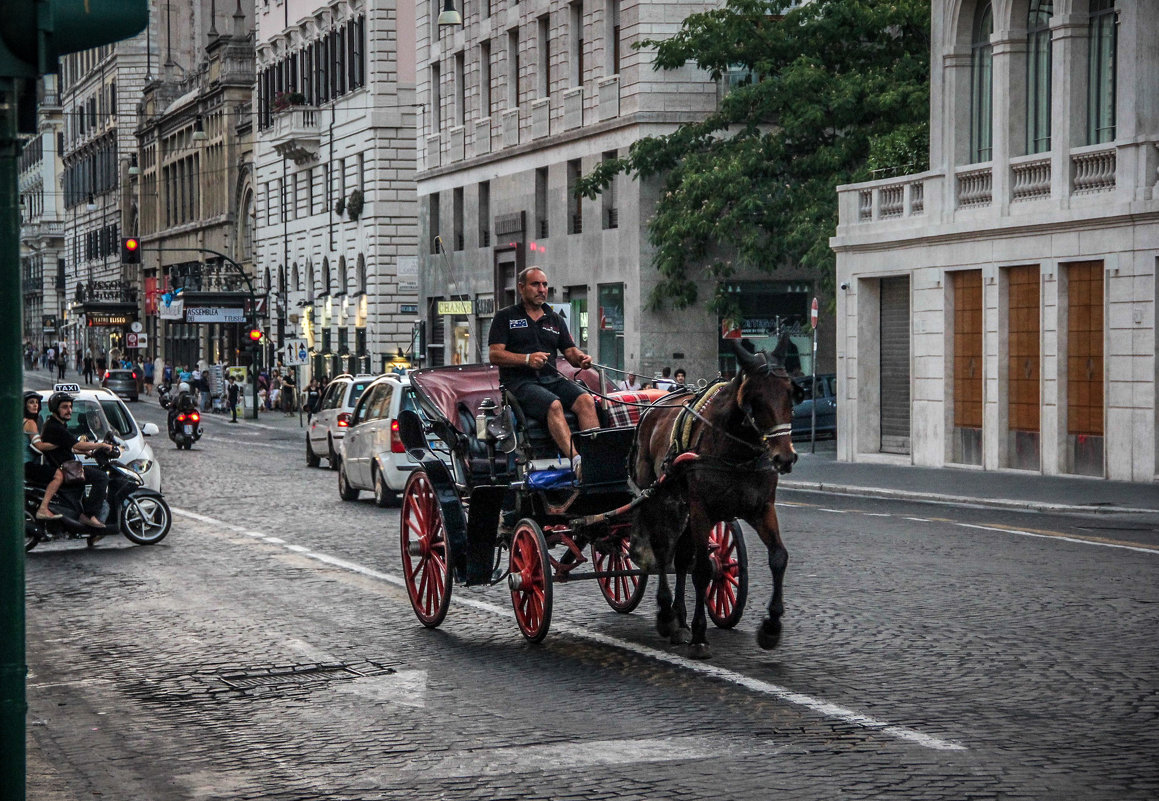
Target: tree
[(828, 92)]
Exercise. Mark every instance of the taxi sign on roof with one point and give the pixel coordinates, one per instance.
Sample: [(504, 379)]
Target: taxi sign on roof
[(66, 388)]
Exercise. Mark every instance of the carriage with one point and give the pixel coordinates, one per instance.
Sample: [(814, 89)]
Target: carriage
[(491, 501)]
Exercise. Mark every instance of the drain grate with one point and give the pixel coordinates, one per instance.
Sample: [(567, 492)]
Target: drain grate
[(296, 675)]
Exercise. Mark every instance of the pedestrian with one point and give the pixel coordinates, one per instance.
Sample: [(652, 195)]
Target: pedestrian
[(665, 381), (313, 398), (680, 377), (50, 359), (274, 396), (167, 373), (631, 383), (233, 393), (289, 391), (147, 369), (102, 363), (89, 369), (61, 363)]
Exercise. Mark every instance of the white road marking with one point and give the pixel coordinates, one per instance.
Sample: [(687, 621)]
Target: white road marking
[(820, 706), (1060, 538)]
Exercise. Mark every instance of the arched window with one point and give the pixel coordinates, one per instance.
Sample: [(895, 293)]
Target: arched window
[(246, 224), (982, 86), (282, 282), (309, 281), (1038, 76), (325, 275), (360, 274), (343, 281), (296, 278), (1101, 78), (266, 286)]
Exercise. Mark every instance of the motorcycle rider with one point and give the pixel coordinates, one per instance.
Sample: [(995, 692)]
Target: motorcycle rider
[(182, 403), (56, 433), (34, 470)]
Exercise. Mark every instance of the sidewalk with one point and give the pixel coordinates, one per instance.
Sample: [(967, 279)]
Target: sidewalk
[(1011, 489)]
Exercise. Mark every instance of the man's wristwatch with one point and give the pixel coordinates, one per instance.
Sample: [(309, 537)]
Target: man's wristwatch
[(527, 359)]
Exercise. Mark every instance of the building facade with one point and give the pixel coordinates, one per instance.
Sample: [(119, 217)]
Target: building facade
[(999, 310), (517, 104), (42, 235), (334, 154), (191, 181)]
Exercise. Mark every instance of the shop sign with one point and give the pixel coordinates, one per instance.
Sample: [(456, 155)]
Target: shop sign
[(214, 314), (454, 307), (107, 320), (408, 274), (48, 324), (485, 305), (408, 308), (173, 310), (136, 341)]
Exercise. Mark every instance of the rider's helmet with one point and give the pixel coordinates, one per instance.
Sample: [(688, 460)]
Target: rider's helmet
[(57, 399), (183, 387)]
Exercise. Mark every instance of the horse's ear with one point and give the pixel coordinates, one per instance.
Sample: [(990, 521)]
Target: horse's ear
[(747, 359)]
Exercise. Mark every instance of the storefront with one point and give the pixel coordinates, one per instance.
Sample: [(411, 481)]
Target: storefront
[(769, 309)]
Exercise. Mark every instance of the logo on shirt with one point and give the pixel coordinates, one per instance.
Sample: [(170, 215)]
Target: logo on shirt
[(551, 330), (521, 323)]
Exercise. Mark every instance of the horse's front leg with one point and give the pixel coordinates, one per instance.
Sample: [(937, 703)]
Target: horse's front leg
[(699, 527), (769, 529)]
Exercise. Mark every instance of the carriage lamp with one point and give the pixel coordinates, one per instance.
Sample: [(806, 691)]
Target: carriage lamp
[(483, 416)]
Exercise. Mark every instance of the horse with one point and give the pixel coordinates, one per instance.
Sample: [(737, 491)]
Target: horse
[(709, 458)]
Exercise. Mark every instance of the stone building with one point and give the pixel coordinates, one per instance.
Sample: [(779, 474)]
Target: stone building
[(192, 193), (42, 254), (999, 309), (334, 159), (518, 103)]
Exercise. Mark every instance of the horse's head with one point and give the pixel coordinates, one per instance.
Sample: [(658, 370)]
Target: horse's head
[(766, 397)]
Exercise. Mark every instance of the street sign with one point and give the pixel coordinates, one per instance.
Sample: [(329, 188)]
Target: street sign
[(131, 341), (813, 313), (295, 353)]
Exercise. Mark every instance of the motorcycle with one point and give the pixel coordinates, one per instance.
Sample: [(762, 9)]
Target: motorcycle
[(141, 514), (185, 428), (163, 395)]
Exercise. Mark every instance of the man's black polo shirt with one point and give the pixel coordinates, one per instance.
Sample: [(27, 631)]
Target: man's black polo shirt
[(513, 328), (57, 433)]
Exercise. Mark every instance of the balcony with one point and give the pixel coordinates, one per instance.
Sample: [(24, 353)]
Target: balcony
[(295, 133)]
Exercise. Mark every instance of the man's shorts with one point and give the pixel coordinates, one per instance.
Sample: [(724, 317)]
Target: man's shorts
[(535, 396)]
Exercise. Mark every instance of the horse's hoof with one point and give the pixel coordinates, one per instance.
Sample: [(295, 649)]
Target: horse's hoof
[(682, 636), (699, 650), (769, 634), (665, 626)]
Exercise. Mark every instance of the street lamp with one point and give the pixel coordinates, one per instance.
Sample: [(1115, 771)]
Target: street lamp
[(449, 15)]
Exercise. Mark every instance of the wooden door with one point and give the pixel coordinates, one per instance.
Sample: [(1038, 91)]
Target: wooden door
[(1023, 368), (967, 366)]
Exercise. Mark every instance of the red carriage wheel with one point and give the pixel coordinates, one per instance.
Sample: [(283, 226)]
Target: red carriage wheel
[(425, 557), (530, 580), (623, 593), (729, 588)]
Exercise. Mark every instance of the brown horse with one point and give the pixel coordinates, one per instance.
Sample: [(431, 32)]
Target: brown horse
[(731, 443)]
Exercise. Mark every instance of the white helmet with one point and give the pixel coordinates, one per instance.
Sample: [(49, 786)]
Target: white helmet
[(183, 387)]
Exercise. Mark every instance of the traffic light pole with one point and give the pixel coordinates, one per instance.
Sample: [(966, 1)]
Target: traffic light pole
[(253, 315), (13, 703)]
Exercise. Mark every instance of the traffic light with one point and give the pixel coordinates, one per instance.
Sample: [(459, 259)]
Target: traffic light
[(255, 335), (131, 250)]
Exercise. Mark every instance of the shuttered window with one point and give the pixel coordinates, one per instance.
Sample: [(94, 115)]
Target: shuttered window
[(967, 366), (895, 365), (1023, 371), (1084, 367)]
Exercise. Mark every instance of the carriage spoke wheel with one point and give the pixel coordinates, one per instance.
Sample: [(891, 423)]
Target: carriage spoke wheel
[(729, 588), (530, 580), (425, 559), (623, 593)]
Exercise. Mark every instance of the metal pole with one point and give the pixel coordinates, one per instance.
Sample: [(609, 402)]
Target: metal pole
[(13, 704), (813, 423)]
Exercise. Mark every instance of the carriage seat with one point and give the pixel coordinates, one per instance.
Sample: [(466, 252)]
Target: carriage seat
[(479, 461), (535, 432)]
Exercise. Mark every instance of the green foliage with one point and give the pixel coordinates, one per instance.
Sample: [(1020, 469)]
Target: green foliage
[(834, 89), (354, 205)]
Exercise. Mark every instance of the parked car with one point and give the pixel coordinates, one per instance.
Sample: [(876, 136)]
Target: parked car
[(96, 412), (373, 457), (826, 402), (328, 426), (121, 381)]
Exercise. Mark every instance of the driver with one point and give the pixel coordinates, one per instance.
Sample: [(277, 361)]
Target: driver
[(182, 403), (522, 343), (56, 433)]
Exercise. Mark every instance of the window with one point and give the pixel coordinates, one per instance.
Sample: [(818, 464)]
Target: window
[(982, 86), (513, 68), (436, 98), (1101, 78), (575, 220), (457, 211), (543, 54), (343, 279), (460, 89), (576, 40), (325, 275), (485, 214), (433, 217), (541, 203), (611, 215), (485, 77), (1038, 53)]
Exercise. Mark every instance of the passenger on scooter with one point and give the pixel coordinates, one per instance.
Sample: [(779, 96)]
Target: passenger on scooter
[(182, 403), (56, 433), (34, 469)]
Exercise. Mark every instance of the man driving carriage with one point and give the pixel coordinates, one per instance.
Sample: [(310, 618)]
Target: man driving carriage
[(522, 343)]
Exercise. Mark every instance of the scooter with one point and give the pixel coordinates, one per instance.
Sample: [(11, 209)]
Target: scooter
[(141, 514), (184, 427), (163, 395)]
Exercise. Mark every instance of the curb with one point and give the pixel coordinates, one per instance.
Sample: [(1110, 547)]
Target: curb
[(826, 488)]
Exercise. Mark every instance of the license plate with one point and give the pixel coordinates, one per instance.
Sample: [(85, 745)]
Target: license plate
[(189, 430)]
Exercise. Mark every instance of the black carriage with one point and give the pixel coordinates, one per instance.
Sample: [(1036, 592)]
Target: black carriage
[(492, 501)]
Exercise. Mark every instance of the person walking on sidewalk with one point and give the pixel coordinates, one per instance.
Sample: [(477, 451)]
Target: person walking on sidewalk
[(232, 395)]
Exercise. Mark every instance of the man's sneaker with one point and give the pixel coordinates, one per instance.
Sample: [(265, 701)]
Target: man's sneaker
[(577, 468)]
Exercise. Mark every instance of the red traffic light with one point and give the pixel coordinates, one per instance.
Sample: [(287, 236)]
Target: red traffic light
[(132, 244), (255, 335), (130, 250)]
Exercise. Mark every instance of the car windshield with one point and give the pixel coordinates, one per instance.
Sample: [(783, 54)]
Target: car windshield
[(356, 390), (119, 418), (87, 420)]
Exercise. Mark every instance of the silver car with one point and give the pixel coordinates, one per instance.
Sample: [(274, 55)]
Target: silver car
[(328, 425), (121, 381), (373, 456)]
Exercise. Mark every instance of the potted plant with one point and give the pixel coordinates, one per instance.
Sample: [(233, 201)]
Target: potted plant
[(354, 205), (340, 206), (285, 100)]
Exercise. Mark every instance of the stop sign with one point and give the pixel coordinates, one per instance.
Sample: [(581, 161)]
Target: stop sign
[(813, 313)]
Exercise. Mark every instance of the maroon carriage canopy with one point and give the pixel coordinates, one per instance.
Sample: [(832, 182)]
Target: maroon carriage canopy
[(467, 384)]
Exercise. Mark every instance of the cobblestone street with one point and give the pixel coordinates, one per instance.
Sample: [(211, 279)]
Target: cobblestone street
[(267, 650)]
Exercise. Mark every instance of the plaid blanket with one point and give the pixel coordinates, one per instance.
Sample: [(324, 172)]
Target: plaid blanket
[(621, 414)]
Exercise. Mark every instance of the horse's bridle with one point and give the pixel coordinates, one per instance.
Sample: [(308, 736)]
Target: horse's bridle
[(781, 429)]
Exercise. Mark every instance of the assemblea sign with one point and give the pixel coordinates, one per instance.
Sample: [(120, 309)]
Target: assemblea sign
[(213, 314)]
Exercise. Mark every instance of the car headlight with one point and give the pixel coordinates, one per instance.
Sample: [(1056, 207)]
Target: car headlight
[(141, 465)]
